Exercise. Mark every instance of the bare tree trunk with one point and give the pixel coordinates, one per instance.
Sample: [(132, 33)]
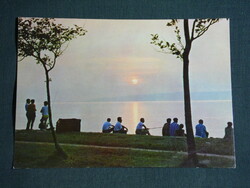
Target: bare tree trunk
[(188, 115), (187, 101), (57, 146)]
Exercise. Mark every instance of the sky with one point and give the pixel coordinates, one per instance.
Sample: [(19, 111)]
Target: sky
[(115, 60)]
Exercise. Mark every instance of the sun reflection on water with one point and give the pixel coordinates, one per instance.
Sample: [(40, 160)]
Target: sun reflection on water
[(135, 113)]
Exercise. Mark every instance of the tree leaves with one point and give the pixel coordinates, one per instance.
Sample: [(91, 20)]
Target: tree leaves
[(200, 26), (165, 46), (172, 22), (41, 38)]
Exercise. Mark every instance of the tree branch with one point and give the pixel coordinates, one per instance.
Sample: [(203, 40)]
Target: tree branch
[(21, 59), (179, 38), (63, 49), (186, 31), (54, 63), (192, 35), (205, 29)]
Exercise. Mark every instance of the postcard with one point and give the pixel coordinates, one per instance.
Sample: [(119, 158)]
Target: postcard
[(123, 93)]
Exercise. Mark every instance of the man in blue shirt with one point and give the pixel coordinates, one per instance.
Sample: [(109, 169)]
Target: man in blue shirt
[(107, 127), (119, 128), (173, 127), (45, 116), (141, 129), (201, 130)]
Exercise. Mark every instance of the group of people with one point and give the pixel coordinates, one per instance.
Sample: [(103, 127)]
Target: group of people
[(174, 129), (117, 128), (30, 109), (107, 127), (168, 129)]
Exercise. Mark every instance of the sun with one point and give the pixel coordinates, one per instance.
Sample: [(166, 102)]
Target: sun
[(134, 81)]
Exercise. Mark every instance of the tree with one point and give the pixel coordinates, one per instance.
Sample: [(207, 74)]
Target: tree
[(45, 41), (181, 51)]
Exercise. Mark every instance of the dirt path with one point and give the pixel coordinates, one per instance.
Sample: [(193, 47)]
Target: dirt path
[(127, 148)]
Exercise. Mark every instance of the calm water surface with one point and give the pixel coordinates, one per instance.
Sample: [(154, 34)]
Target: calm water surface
[(214, 113)]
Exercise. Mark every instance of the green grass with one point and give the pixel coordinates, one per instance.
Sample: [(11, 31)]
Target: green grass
[(32, 155), (208, 145)]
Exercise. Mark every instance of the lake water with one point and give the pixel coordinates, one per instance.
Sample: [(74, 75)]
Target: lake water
[(93, 114)]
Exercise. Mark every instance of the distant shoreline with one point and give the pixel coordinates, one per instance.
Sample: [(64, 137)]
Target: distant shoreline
[(146, 101)]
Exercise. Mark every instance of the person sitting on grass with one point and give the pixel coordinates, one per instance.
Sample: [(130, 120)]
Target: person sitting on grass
[(107, 127), (229, 132), (173, 127), (141, 129), (180, 131), (201, 131), (119, 128), (165, 128)]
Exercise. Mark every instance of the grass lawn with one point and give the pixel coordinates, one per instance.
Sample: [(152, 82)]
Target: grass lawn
[(33, 155), (203, 145)]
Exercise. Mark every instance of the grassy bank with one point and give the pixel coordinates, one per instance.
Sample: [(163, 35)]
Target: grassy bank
[(34, 155), (208, 145)]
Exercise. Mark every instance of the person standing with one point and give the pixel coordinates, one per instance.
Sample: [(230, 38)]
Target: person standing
[(45, 116), (27, 114), (107, 127), (201, 130), (229, 132), (165, 128), (141, 129), (119, 128), (173, 127), (31, 114)]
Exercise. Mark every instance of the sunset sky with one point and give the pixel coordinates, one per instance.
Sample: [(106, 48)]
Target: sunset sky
[(115, 60)]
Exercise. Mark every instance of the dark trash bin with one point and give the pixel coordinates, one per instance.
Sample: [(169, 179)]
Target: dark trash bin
[(68, 125)]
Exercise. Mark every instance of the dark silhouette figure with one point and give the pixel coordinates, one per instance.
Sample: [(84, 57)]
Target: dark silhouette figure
[(180, 131), (229, 132), (166, 128), (119, 128), (141, 129), (31, 114), (107, 127), (27, 115)]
